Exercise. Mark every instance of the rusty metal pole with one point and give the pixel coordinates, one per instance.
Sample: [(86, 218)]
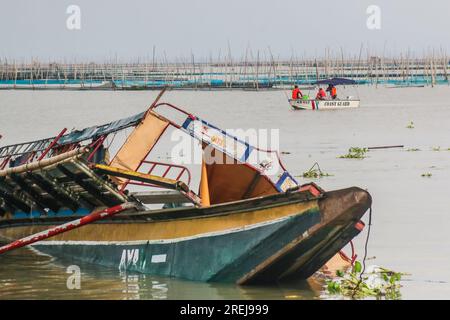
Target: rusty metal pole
[(52, 144)]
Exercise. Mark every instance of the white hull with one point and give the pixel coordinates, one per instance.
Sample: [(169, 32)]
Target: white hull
[(323, 104)]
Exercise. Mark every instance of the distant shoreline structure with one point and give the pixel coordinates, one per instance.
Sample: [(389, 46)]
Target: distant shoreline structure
[(247, 74)]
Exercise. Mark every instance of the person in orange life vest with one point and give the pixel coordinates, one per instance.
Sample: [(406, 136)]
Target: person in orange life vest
[(332, 90), (296, 93), (321, 95)]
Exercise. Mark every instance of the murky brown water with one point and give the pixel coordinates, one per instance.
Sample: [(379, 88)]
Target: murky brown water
[(410, 212), (27, 275)]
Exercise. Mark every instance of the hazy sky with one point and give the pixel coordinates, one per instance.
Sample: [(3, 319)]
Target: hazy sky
[(130, 29)]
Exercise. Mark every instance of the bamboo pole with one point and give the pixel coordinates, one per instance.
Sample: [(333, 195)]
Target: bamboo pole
[(44, 163)]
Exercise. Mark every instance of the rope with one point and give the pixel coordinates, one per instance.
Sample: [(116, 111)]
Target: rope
[(354, 255), (365, 254), (346, 258)]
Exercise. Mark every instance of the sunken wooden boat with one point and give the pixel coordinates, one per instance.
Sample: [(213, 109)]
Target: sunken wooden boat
[(64, 197)]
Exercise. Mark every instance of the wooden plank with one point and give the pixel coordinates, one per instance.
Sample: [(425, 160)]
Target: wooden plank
[(109, 187), (57, 192), (14, 202), (142, 177), (94, 190), (10, 200), (34, 195)]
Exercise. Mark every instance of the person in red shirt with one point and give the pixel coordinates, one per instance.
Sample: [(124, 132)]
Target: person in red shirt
[(296, 93), (321, 95)]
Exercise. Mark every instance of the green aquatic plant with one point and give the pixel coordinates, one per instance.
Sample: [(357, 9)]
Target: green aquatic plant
[(315, 172), (426, 175), (410, 125), (355, 153), (377, 282)]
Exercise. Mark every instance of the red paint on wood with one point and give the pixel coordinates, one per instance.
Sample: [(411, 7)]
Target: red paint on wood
[(360, 225)]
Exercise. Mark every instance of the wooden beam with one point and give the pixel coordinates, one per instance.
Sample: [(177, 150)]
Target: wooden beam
[(15, 202), (142, 177), (112, 189), (11, 201), (61, 195), (34, 195), (90, 187)]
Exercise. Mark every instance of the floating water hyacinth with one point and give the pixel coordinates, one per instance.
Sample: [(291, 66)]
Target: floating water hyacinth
[(355, 153), (426, 175), (376, 282), (410, 125), (315, 172)]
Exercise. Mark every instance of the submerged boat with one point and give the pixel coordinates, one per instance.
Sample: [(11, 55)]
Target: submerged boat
[(306, 103), (65, 197)]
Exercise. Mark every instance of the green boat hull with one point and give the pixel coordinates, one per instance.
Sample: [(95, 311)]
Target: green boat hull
[(220, 258), (266, 239)]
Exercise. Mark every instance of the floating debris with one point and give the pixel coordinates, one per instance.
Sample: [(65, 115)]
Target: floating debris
[(285, 152), (385, 147), (410, 125), (376, 282), (436, 149), (355, 153), (413, 149), (315, 172)]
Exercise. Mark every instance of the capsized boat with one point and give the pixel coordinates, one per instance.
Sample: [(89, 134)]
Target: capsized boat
[(347, 102), (65, 197)]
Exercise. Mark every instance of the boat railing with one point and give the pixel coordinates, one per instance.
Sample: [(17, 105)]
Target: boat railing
[(38, 149), (173, 171), (25, 148), (193, 117)]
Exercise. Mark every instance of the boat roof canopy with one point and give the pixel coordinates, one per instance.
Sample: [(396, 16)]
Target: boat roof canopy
[(336, 81), (96, 131), (72, 137)]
